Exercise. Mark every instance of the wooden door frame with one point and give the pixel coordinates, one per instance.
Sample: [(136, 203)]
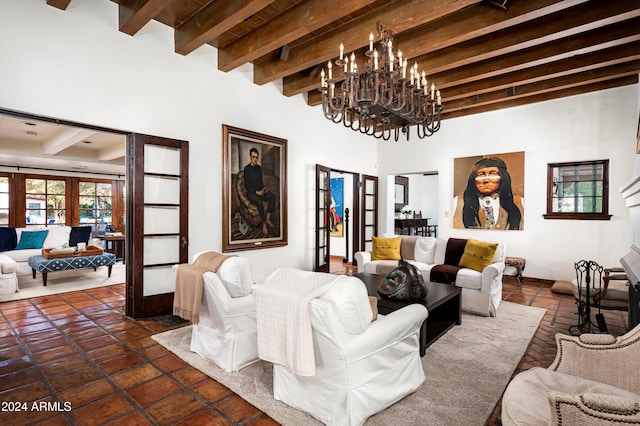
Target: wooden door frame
[(138, 305), (355, 214)]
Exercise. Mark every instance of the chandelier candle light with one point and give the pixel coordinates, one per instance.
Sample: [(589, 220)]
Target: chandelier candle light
[(381, 101)]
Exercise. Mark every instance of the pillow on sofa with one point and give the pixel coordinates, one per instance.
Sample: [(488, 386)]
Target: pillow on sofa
[(58, 235), (477, 254), (386, 248), (425, 250), (31, 239), (79, 234), (454, 250), (8, 238)]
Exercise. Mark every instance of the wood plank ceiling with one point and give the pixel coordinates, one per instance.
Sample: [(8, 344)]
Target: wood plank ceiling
[(482, 55)]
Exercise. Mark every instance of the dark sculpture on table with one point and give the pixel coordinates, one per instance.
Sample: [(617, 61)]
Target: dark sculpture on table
[(404, 283)]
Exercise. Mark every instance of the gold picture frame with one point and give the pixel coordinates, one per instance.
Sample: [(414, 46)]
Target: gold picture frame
[(253, 218)]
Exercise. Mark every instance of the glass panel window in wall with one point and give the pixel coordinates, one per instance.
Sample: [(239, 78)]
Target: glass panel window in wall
[(95, 203), (4, 201), (578, 190), (45, 202)]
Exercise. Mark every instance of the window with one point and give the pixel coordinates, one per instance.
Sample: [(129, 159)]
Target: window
[(4, 201), (578, 190), (46, 201), (96, 204)]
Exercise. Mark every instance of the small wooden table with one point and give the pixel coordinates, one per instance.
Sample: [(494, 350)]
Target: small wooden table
[(115, 244), (419, 225), (444, 303)]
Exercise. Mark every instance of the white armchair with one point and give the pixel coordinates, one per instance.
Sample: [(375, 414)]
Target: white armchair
[(8, 276), (226, 331), (593, 380), (357, 372)]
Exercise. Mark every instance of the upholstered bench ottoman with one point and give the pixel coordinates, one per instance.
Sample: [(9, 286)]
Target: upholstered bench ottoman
[(44, 265)]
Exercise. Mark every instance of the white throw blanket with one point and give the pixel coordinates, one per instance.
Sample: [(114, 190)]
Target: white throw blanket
[(284, 318)]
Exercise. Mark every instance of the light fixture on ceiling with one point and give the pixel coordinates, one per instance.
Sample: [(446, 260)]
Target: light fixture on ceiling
[(381, 101), (31, 133)]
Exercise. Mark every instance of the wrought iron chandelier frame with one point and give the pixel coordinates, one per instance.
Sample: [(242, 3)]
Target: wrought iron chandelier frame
[(381, 101)]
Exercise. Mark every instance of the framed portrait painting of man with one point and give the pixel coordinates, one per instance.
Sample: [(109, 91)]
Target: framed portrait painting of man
[(488, 192), (254, 193)]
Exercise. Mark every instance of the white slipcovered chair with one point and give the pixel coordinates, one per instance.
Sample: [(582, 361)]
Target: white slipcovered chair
[(226, 331), (361, 367), (8, 276), (593, 380)]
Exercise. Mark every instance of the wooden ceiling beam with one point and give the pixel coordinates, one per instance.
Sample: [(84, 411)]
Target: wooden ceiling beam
[(59, 4), (572, 22), (485, 76), (293, 24), (474, 22), (565, 24), (609, 84), (518, 91), (464, 26), (531, 75), (554, 63), (214, 19), (135, 14), (570, 61), (398, 16)]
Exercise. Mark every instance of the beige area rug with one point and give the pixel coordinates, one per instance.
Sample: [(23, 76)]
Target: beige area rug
[(466, 372), (65, 281)]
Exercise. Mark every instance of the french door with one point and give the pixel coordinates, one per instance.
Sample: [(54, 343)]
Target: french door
[(157, 222), (369, 224), (323, 208), (364, 214)]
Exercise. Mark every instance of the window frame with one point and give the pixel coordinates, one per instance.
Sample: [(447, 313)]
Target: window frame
[(604, 215), (8, 195), (46, 179), (95, 182)]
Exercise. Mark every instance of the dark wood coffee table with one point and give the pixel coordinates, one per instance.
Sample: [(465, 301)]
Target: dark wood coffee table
[(443, 302)]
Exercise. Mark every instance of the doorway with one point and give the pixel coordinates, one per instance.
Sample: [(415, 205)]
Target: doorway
[(420, 192), (340, 217), (154, 169), (346, 217)]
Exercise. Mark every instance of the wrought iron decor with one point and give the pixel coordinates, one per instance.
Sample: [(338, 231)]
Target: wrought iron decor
[(589, 279)]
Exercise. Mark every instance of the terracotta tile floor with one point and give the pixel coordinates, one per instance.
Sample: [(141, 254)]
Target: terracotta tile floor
[(74, 358)]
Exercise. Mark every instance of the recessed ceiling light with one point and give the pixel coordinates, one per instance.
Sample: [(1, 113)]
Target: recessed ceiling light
[(32, 133), (29, 123), (87, 142)]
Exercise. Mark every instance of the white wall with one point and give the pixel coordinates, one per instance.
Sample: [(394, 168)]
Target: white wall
[(75, 65), (423, 195), (593, 126)]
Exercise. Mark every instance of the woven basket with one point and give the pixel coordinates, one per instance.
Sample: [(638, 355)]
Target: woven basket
[(90, 251)]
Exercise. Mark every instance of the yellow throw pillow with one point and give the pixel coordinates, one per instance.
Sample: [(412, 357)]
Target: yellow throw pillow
[(478, 254), (386, 248)]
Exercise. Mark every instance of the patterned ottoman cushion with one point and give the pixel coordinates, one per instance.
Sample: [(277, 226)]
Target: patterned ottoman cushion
[(42, 264)]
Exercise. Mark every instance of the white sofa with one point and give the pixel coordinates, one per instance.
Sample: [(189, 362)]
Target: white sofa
[(481, 291), (16, 262)]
